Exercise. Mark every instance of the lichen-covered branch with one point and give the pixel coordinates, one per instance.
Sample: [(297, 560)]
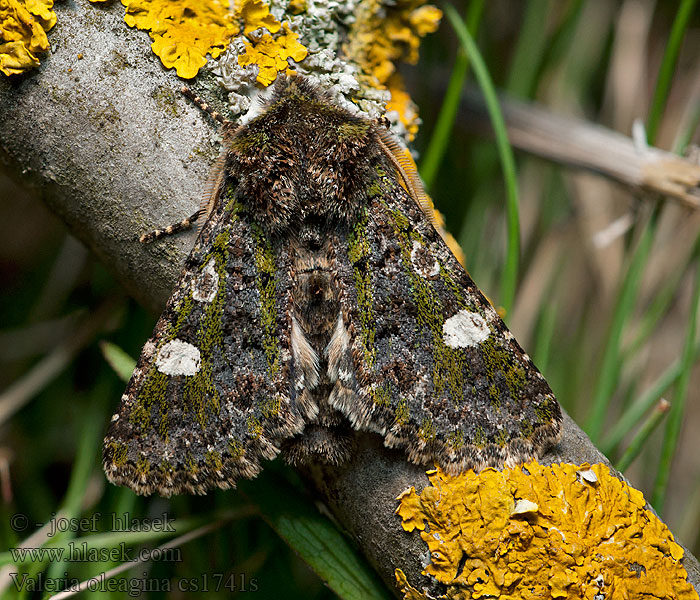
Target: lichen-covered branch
[(102, 131)]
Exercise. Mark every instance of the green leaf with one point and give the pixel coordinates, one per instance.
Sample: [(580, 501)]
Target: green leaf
[(316, 540), (505, 152)]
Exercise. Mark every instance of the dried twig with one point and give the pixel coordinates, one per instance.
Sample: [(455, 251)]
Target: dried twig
[(586, 145)]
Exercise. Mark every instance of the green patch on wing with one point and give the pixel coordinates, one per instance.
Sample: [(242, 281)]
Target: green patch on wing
[(546, 411), (266, 282), (200, 393), (448, 363), (349, 130), (381, 395), (153, 391), (427, 431), (213, 460), (271, 407), (143, 467), (119, 453), (499, 360), (166, 468), (456, 439), (402, 413), (359, 252), (236, 449)]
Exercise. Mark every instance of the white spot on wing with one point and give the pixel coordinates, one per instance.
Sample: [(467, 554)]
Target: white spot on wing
[(179, 358), (421, 259), (465, 329), (206, 285)]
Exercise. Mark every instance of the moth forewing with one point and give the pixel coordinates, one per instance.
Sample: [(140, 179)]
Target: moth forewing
[(319, 300)]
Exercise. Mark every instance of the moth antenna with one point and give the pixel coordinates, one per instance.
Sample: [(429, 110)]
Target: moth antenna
[(407, 171), (171, 229), (212, 190), (203, 106)]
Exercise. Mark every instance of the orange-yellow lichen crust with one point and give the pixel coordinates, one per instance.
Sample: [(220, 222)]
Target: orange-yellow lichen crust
[(183, 32), (271, 50), (271, 54), (383, 35), (23, 27), (557, 531)]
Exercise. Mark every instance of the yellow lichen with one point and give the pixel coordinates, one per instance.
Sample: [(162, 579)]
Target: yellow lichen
[(401, 103), (183, 31), (256, 14), (557, 531), (271, 54), (23, 27), (384, 34), (297, 6)]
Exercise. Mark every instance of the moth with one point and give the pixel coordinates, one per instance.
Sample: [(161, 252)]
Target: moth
[(320, 299)]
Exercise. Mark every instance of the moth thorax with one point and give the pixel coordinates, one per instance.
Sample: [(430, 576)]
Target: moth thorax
[(311, 236)]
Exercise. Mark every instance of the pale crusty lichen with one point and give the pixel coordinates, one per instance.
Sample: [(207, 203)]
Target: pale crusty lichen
[(23, 27), (557, 531), (351, 48)]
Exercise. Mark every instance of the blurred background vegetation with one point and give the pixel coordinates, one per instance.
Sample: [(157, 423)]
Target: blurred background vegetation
[(610, 320)]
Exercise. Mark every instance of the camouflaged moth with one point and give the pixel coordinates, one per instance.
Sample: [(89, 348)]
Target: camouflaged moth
[(320, 299)]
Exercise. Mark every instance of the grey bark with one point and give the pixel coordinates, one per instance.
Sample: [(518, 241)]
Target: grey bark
[(116, 151)]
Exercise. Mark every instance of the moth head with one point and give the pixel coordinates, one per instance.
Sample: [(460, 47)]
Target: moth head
[(303, 159)]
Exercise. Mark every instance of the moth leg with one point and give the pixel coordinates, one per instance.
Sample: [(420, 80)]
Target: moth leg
[(171, 229)]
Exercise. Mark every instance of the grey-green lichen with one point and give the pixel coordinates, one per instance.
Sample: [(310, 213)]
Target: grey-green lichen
[(199, 391), (448, 363), (266, 282), (358, 253)]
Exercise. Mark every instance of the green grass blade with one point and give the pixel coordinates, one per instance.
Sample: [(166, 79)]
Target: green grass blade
[(635, 412), (668, 64), (440, 139), (686, 135), (122, 364), (544, 335), (317, 541), (656, 311), (642, 436), (610, 368), (83, 467), (675, 419), (529, 50), (562, 39), (510, 272)]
